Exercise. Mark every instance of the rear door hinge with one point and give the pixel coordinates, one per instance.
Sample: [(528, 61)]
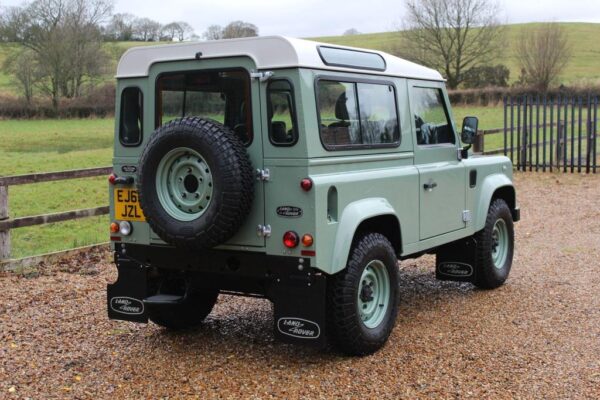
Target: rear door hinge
[(263, 174), (262, 76), (466, 216), (263, 231)]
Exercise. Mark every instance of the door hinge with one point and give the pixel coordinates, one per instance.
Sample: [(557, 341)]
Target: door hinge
[(262, 76), (263, 174), (466, 215), (263, 231)]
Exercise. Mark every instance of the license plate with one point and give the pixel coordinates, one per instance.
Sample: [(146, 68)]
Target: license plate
[(127, 206)]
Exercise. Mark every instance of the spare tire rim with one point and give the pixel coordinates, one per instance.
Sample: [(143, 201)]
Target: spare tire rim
[(499, 243), (373, 294), (184, 184)]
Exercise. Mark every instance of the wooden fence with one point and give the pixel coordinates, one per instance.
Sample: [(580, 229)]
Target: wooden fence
[(7, 223)]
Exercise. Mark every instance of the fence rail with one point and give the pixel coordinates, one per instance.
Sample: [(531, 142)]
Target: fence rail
[(7, 223)]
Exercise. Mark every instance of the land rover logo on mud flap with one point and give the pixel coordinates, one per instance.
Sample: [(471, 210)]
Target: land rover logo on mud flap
[(129, 168), (455, 269), (298, 328), (127, 305), (289, 211)]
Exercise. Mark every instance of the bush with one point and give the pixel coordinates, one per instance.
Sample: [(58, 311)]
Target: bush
[(486, 75), (100, 102)]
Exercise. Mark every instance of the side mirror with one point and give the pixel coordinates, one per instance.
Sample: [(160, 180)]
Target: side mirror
[(469, 130)]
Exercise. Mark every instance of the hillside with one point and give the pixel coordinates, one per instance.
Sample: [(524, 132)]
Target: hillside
[(584, 68)]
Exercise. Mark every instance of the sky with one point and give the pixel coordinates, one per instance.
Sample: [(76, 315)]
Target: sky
[(307, 18)]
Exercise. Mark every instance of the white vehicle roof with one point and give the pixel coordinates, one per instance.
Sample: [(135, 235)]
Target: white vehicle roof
[(267, 52)]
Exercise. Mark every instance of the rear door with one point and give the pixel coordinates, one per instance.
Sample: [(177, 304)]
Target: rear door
[(442, 176)]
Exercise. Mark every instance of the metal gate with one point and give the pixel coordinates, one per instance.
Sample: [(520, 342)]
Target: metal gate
[(558, 133)]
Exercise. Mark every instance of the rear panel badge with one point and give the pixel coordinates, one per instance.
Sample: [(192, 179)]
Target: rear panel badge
[(289, 211), (298, 328)]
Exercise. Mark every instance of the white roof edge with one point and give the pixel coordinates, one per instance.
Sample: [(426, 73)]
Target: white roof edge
[(267, 52)]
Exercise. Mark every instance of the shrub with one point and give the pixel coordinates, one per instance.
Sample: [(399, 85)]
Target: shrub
[(486, 75)]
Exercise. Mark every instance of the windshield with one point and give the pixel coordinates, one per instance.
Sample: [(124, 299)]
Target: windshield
[(223, 96)]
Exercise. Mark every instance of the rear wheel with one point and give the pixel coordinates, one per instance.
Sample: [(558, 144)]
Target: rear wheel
[(495, 247), (363, 298)]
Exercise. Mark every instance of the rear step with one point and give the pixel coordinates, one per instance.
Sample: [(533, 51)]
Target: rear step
[(163, 300)]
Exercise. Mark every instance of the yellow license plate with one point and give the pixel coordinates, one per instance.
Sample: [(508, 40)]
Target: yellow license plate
[(127, 206)]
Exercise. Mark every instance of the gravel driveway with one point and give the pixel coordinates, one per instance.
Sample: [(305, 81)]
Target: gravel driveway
[(536, 337)]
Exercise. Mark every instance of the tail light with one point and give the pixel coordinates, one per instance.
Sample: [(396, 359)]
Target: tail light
[(114, 227), (290, 239), (307, 240), (306, 184), (112, 178)]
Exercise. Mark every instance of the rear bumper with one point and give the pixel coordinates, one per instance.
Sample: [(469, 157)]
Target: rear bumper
[(297, 291)]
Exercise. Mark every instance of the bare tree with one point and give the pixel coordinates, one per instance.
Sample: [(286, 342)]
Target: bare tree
[(451, 35), (66, 39), (351, 31), (185, 31), (146, 30), (543, 54), (120, 27), (24, 67), (238, 29), (213, 32)]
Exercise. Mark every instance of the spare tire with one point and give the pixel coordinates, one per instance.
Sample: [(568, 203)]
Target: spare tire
[(195, 183)]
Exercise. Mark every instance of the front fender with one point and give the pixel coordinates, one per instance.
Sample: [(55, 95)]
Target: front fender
[(490, 184), (352, 216)]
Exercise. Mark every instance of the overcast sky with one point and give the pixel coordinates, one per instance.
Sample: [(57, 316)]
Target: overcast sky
[(306, 18)]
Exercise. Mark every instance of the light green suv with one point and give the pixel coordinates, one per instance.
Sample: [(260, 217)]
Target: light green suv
[(300, 172)]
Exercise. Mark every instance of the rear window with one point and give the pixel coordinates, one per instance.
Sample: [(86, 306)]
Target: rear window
[(130, 128), (283, 129), (357, 114), (223, 96)]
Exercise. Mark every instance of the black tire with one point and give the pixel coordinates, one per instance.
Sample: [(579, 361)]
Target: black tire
[(232, 187), (347, 330), (188, 314), (488, 275)]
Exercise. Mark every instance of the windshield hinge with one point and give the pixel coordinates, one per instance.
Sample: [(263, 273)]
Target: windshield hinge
[(263, 174), (262, 76)]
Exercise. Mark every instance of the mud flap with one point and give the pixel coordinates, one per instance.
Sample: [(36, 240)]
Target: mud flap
[(125, 296), (299, 303), (457, 261)]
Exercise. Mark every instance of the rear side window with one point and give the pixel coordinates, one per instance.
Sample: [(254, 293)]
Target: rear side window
[(130, 129), (357, 114), (282, 114), (432, 122)]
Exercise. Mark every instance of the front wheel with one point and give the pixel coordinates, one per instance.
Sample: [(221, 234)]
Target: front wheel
[(363, 298), (495, 247)]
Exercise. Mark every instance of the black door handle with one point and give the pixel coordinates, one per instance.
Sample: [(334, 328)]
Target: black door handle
[(430, 186)]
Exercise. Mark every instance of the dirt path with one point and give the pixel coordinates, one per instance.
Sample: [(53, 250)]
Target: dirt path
[(536, 337)]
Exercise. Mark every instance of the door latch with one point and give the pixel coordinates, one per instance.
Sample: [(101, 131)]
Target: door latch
[(263, 174), (263, 231), (429, 186)]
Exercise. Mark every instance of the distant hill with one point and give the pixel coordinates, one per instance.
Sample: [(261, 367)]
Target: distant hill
[(583, 69)]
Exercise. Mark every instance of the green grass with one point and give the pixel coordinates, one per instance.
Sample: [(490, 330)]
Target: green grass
[(54, 145), (582, 69)]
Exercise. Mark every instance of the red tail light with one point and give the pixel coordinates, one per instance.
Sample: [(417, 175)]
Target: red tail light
[(112, 178), (306, 184), (291, 239)]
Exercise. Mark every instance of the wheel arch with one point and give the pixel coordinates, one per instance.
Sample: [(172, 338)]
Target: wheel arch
[(366, 215), (497, 186)]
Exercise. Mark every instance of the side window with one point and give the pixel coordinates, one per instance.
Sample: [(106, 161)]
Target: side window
[(338, 113), (130, 127), (378, 116), (431, 117), (282, 114), (356, 114)]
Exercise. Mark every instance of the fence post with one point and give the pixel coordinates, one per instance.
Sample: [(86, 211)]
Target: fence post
[(478, 143), (4, 235)]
